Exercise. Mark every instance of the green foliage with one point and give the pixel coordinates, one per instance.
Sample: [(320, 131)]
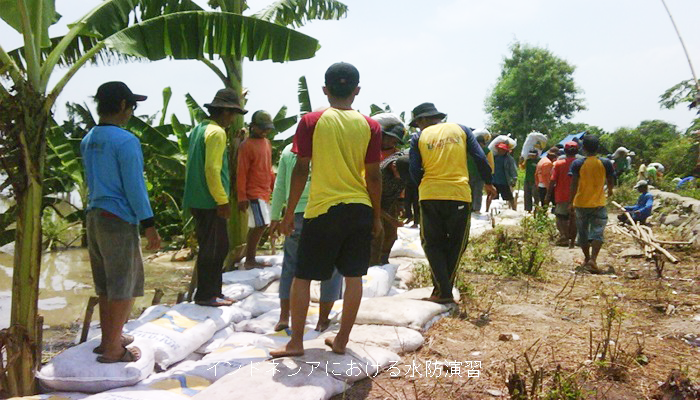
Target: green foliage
[(513, 253), (678, 156), (561, 131), (535, 91), (624, 194), (296, 13), (646, 140), (682, 92)]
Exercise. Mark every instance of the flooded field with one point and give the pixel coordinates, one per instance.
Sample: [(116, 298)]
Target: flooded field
[(65, 286)]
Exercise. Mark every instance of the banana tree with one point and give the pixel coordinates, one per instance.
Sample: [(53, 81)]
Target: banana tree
[(153, 29), (288, 13)]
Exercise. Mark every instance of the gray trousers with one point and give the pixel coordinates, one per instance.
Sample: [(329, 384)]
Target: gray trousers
[(477, 186)]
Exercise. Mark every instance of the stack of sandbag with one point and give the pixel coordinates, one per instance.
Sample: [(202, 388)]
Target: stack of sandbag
[(163, 386), (503, 139), (182, 329), (534, 140)]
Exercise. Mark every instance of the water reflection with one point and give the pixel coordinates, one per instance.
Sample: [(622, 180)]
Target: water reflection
[(65, 284)]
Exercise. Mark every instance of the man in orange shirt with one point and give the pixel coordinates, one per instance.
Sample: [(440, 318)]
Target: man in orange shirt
[(543, 173), (254, 182)]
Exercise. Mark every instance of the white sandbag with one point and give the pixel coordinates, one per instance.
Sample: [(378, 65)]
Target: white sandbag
[(422, 293), (216, 341), (238, 340), (273, 260), (149, 314), (397, 339), (54, 396), (620, 152), (534, 140), (222, 316), (312, 315), (258, 278), (164, 386), (500, 139), (397, 311), (387, 119), (406, 248), (283, 379), (259, 303), (358, 362), (237, 291), (658, 166), (482, 132), (272, 288), (77, 369), (217, 364), (378, 280), (262, 324), (279, 339), (173, 336)]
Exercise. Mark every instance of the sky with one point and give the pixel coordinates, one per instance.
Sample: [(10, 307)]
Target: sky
[(448, 52)]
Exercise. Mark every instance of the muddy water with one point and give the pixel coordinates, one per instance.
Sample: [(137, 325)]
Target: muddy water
[(65, 285)]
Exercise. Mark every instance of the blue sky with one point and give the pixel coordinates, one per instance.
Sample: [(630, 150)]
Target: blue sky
[(448, 52)]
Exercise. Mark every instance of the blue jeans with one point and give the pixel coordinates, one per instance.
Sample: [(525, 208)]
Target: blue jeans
[(590, 223), (330, 288)]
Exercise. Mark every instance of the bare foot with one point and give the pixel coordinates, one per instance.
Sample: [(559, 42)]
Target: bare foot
[(322, 325), (287, 351), (336, 348), (281, 326)]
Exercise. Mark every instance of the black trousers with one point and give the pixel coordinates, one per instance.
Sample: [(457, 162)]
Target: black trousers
[(444, 234), (212, 236), (411, 202)]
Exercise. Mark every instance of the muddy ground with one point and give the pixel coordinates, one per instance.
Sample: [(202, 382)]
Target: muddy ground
[(561, 323)]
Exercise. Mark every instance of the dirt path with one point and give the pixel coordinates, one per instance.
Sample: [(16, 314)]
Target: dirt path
[(560, 322)]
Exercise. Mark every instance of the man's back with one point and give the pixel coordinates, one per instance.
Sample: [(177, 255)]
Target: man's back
[(339, 143), (592, 172), (443, 150), (200, 192), (562, 179)]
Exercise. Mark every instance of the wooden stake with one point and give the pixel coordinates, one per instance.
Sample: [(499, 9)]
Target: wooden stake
[(92, 302)]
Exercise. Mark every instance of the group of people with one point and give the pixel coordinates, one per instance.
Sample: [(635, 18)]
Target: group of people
[(336, 198)]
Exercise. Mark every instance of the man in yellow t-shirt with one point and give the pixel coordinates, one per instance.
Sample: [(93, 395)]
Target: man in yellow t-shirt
[(590, 175), (438, 165), (343, 211)]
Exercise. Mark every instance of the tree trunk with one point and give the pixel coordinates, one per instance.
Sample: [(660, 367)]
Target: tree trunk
[(24, 330), (238, 223)]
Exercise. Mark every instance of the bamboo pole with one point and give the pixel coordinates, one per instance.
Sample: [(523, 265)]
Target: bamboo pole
[(92, 302)]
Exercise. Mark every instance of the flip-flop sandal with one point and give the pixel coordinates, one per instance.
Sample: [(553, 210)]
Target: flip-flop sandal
[(323, 326), (329, 342), (132, 354), (126, 340), (226, 298)]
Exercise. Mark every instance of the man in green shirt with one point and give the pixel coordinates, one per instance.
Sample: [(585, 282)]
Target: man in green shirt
[(529, 185), (330, 288), (207, 194)]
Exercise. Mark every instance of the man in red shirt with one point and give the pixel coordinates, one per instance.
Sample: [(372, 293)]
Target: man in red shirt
[(343, 212), (560, 189), (254, 182), (543, 174)]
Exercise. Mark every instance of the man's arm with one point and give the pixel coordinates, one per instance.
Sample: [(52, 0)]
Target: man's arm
[(373, 177), (215, 145), (574, 189), (300, 174), (477, 154), (131, 173), (415, 162), (242, 176), (610, 176)]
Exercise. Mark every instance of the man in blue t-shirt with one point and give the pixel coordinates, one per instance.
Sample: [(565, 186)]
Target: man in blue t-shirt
[(642, 210), (117, 204)]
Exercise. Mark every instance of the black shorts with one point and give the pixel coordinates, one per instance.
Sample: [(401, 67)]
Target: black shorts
[(504, 191), (340, 238)]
